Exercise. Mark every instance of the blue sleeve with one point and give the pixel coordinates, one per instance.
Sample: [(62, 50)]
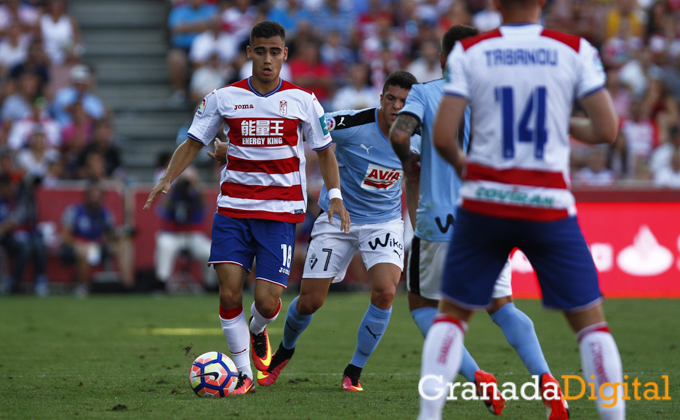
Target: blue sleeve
[(415, 103), (174, 18)]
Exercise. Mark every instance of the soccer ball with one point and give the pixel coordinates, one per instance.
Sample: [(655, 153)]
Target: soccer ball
[(213, 374)]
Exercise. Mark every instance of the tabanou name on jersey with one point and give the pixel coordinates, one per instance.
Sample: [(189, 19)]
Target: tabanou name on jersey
[(521, 57), (380, 177)]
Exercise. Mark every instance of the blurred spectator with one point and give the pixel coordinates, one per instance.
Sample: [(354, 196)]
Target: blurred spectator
[(79, 90), (487, 19), (671, 77), (381, 67), (367, 21), (8, 167), (636, 73), (336, 56), (182, 214), (623, 14), (13, 49), (76, 134), (185, 22), (311, 74), (19, 235), (427, 67), (208, 77), (333, 18), (36, 64), (661, 157), (162, 165), (384, 39), (641, 136), (15, 11), (620, 93), (213, 41), (36, 158), (620, 49), (238, 20), (457, 14), (661, 108), (60, 33), (88, 236), (669, 175), (596, 173), (289, 14), (660, 20), (358, 94), (18, 105), (39, 120), (55, 174), (101, 158), (580, 20)]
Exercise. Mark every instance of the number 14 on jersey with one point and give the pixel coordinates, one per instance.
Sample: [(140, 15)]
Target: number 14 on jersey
[(535, 105)]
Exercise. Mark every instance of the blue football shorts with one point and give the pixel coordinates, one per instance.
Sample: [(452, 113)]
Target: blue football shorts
[(557, 250), (238, 241)]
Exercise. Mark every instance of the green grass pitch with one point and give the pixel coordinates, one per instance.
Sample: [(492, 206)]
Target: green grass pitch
[(129, 357)]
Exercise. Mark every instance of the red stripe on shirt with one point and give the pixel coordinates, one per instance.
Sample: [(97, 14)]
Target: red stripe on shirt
[(278, 166), (262, 192), (515, 176), (571, 41), (266, 215), (507, 211), (468, 42)]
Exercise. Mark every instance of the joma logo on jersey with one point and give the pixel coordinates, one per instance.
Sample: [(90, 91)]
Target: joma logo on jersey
[(380, 177), (246, 106)]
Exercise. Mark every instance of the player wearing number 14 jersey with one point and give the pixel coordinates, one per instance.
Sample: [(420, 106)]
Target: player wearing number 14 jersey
[(521, 81), (371, 176)]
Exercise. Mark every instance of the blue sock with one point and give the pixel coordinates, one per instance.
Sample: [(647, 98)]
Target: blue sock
[(423, 318), (519, 331), (468, 367), (371, 330), (295, 325)]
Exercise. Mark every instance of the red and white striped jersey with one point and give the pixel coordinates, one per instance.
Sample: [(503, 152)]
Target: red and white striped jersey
[(265, 173), (521, 81)]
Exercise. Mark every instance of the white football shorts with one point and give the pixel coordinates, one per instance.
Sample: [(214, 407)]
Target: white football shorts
[(425, 266), (330, 250)]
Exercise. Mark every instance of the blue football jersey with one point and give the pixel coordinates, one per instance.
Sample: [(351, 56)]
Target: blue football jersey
[(370, 171), (439, 184)]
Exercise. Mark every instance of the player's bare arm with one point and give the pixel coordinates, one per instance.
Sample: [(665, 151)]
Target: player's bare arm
[(183, 156), (400, 136), (331, 177), (601, 125), (444, 134)]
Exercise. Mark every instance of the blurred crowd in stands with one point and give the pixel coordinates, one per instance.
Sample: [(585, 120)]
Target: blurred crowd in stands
[(54, 127), (342, 50)]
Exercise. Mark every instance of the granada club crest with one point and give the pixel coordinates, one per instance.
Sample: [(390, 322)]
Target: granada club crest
[(283, 108)]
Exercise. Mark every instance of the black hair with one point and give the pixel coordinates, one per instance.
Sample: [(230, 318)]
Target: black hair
[(267, 29), (456, 33), (400, 78)]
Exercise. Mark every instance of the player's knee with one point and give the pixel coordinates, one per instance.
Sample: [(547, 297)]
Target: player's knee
[(230, 298), (383, 297), (308, 304), (267, 307)]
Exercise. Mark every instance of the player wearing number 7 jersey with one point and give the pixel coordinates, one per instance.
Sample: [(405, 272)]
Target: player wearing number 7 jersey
[(371, 176), (521, 81)]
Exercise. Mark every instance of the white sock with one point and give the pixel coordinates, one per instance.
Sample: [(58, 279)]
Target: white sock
[(235, 329), (600, 358), (260, 321), (442, 356)]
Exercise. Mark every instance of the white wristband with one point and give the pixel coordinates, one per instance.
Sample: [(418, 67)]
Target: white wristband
[(334, 193)]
